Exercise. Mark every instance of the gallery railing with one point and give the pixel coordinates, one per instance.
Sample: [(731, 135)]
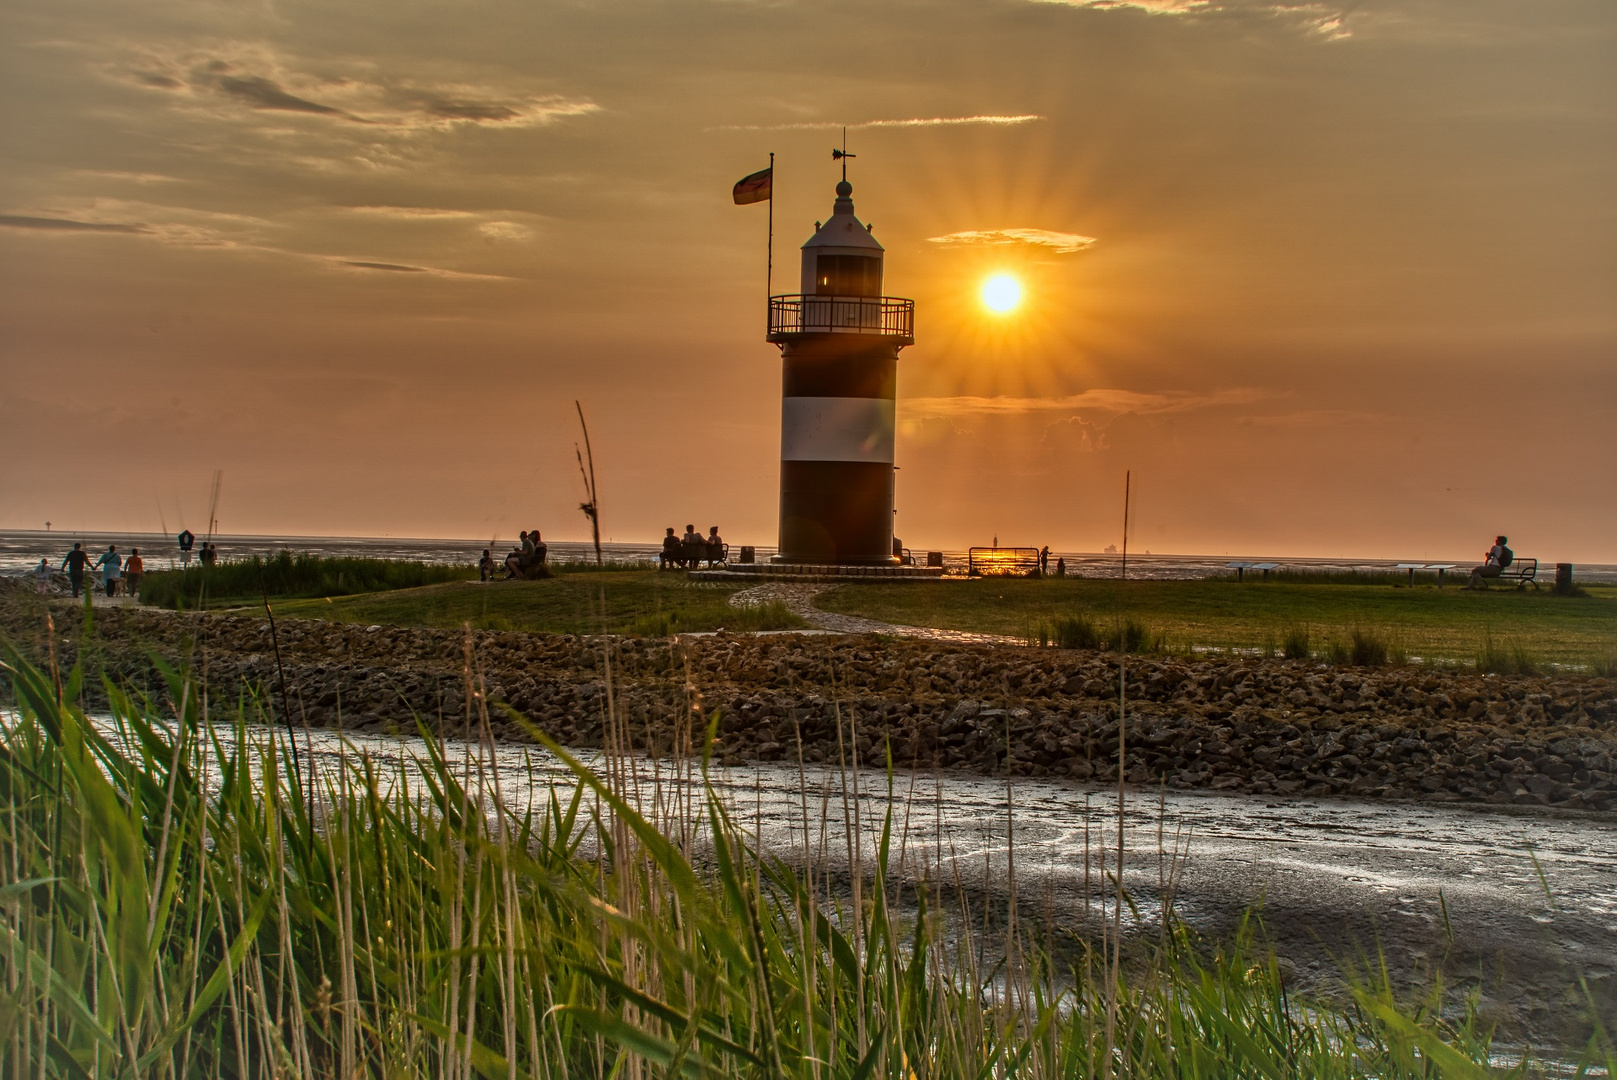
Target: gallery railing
[(884, 316)]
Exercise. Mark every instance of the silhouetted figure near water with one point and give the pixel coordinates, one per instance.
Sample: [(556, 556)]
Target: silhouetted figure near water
[(109, 565), (42, 576), (715, 547), (134, 570), (210, 554), (486, 566), (75, 562), (672, 555)]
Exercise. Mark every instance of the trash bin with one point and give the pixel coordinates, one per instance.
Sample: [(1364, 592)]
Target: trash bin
[(748, 554), (934, 558), (1563, 577)]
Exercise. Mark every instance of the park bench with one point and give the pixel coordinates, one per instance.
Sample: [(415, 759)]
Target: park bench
[(1522, 571), (1002, 562)]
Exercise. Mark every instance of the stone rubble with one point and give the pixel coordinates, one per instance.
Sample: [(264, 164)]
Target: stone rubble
[(1272, 727)]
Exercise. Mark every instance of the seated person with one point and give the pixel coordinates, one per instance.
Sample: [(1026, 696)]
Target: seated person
[(715, 547), (692, 547), (531, 559), (671, 555), (1499, 557), (513, 561), (485, 566)]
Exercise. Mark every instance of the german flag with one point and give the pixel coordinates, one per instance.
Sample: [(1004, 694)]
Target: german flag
[(754, 188)]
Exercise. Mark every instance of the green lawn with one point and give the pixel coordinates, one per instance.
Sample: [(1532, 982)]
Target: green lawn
[(1440, 624), (626, 602)]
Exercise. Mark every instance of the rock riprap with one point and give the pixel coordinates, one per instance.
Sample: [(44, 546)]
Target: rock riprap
[(1267, 726)]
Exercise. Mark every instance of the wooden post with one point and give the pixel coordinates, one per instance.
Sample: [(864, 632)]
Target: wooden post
[(1563, 577)]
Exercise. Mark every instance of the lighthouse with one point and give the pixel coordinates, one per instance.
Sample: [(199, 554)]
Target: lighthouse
[(839, 341)]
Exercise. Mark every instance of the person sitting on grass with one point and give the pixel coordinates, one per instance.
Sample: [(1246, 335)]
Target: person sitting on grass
[(672, 554), (486, 566), (1499, 557)]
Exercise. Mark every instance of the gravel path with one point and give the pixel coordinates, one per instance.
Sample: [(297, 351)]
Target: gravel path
[(799, 600)]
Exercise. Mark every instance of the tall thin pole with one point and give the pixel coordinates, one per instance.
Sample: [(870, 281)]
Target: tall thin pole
[(769, 266), (1125, 525)]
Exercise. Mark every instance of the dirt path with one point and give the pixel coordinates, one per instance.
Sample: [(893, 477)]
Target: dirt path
[(799, 600)]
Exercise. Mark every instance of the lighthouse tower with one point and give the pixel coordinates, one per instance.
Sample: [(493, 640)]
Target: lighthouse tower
[(839, 341)]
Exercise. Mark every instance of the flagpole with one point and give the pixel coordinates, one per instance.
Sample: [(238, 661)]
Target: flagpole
[(769, 267)]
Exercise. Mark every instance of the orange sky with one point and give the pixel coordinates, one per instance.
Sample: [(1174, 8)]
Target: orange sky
[(1328, 280)]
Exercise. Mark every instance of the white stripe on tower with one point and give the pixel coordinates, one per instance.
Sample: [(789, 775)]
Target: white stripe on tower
[(837, 429)]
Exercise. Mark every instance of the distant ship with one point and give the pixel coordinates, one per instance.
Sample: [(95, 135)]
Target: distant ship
[(1111, 549)]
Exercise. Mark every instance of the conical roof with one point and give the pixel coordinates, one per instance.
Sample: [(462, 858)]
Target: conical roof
[(844, 230)]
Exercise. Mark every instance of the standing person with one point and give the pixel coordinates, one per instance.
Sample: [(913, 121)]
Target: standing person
[(75, 562), (486, 566), (109, 565), (133, 570), (1499, 556), (1044, 560), (42, 576), (210, 553)]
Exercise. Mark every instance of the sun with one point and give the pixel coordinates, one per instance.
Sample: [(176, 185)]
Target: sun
[(1001, 293)]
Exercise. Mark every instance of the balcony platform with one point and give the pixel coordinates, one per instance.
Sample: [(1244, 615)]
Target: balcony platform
[(891, 318)]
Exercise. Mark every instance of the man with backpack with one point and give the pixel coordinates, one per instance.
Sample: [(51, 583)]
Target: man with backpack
[(1499, 557)]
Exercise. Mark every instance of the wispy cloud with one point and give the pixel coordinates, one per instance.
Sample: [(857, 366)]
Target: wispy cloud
[(1154, 7), (1318, 18), (398, 267), (1101, 400), (1062, 243), (988, 120), (413, 213), (252, 77), (56, 224), (407, 268)]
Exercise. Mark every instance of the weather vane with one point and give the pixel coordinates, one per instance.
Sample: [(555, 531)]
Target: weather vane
[(843, 155)]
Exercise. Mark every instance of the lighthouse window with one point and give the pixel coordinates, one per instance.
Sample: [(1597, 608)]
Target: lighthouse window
[(847, 275)]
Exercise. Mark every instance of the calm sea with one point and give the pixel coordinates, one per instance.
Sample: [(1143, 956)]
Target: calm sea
[(22, 549)]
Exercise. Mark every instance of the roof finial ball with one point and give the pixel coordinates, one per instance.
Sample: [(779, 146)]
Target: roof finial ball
[(844, 189)]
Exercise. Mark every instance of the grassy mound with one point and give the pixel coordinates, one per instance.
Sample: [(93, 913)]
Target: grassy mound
[(178, 903), (236, 582), (642, 602), (1340, 618)]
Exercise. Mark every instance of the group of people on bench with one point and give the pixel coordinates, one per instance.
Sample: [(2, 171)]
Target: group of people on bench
[(691, 550), (526, 561)]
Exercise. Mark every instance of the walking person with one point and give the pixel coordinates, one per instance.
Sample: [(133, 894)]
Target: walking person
[(75, 561), (109, 565), (134, 568), (42, 577)]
